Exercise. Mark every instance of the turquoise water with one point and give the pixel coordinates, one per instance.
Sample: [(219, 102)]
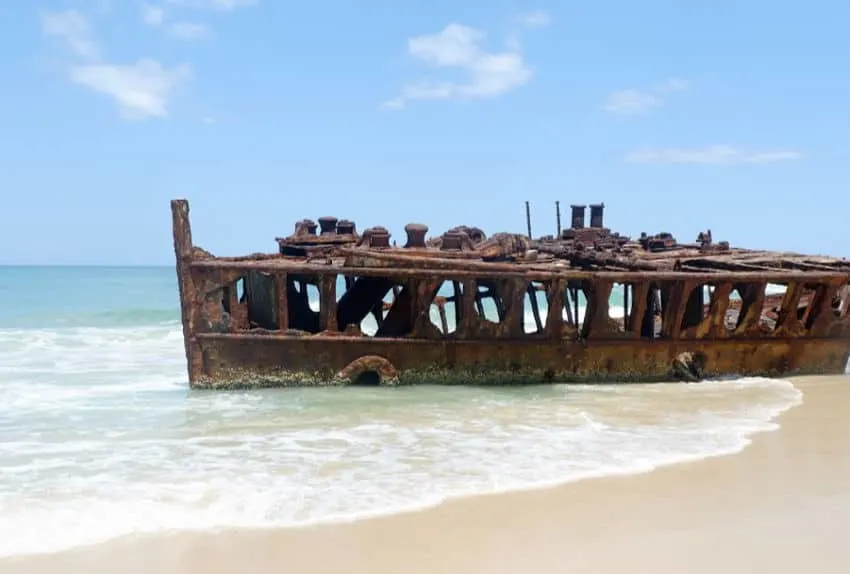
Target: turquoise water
[(102, 438)]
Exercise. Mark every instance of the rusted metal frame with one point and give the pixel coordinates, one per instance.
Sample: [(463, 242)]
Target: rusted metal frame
[(703, 329), (597, 318), (499, 293), (574, 290), (514, 308), (508, 296), (752, 306), (555, 301), (457, 290), (674, 310), (639, 305), (467, 319), (718, 307), (401, 314), (327, 303), (810, 290), (568, 305), (787, 320), (516, 272), (210, 279), (618, 342), (820, 318), (189, 305), (626, 307), (424, 291), (440, 303), (282, 301), (479, 303), (238, 310)]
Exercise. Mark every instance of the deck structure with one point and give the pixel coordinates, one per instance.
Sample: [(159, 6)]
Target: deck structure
[(688, 310)]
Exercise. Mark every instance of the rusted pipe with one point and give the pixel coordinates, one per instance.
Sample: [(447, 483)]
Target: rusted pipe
[(577, 218)]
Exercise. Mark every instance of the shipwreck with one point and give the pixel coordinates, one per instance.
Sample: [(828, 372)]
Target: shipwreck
[(335, 305)]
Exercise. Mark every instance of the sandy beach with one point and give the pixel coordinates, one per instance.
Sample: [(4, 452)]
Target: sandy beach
[(781, 505)]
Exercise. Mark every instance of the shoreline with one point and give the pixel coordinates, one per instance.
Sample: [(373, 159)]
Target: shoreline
[(516, 530)]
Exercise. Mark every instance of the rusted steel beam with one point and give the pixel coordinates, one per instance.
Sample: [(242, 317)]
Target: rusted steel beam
[(639, 307), (515, 271), (535, 308), (282, 301), (752, 296), (787, 321), (597, 322), (183, 252), (820, 320), (556, 302), (674, 311), (327, 303)]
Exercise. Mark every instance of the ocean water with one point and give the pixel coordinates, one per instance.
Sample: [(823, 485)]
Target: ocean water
[(100, 436)]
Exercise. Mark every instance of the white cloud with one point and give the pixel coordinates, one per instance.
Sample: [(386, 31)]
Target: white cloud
[(535, 18), (634, 101), (460, 47), (74, 28), (141, 90), (153, 15), (189, 30), (156, 16), (712, 155)]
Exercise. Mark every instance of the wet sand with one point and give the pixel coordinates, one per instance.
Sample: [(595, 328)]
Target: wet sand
[(780, 506)]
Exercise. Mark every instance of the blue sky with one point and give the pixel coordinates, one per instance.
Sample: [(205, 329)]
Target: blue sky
[(680, 116)]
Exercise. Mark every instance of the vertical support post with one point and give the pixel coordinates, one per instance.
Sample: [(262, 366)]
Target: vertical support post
[(327, 303), (558, 218), (466, 320), (821, 317), (444, 322), (282, 302), (597, 313), (719, 307), (556, 291), (182, 232), (515, 312), (575, 309), (787, 321), (626, 308), (752, 305), (674, 311), (637, 312), (528, 218), (568, 305)]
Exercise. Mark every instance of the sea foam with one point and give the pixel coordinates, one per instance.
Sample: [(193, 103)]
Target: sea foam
[(102, 438)]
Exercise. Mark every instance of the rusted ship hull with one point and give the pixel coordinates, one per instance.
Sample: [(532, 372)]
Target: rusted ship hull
[(700, 312), (228, 361)]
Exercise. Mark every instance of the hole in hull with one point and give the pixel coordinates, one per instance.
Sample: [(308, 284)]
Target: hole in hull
[(367, 379)]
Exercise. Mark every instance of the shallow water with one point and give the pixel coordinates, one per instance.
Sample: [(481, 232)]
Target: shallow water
[(101, 437)]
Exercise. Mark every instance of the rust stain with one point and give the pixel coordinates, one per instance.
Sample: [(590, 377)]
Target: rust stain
[(467, 307)]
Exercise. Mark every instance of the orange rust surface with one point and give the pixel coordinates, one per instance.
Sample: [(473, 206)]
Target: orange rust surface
[(264, 360), (805, 330)]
